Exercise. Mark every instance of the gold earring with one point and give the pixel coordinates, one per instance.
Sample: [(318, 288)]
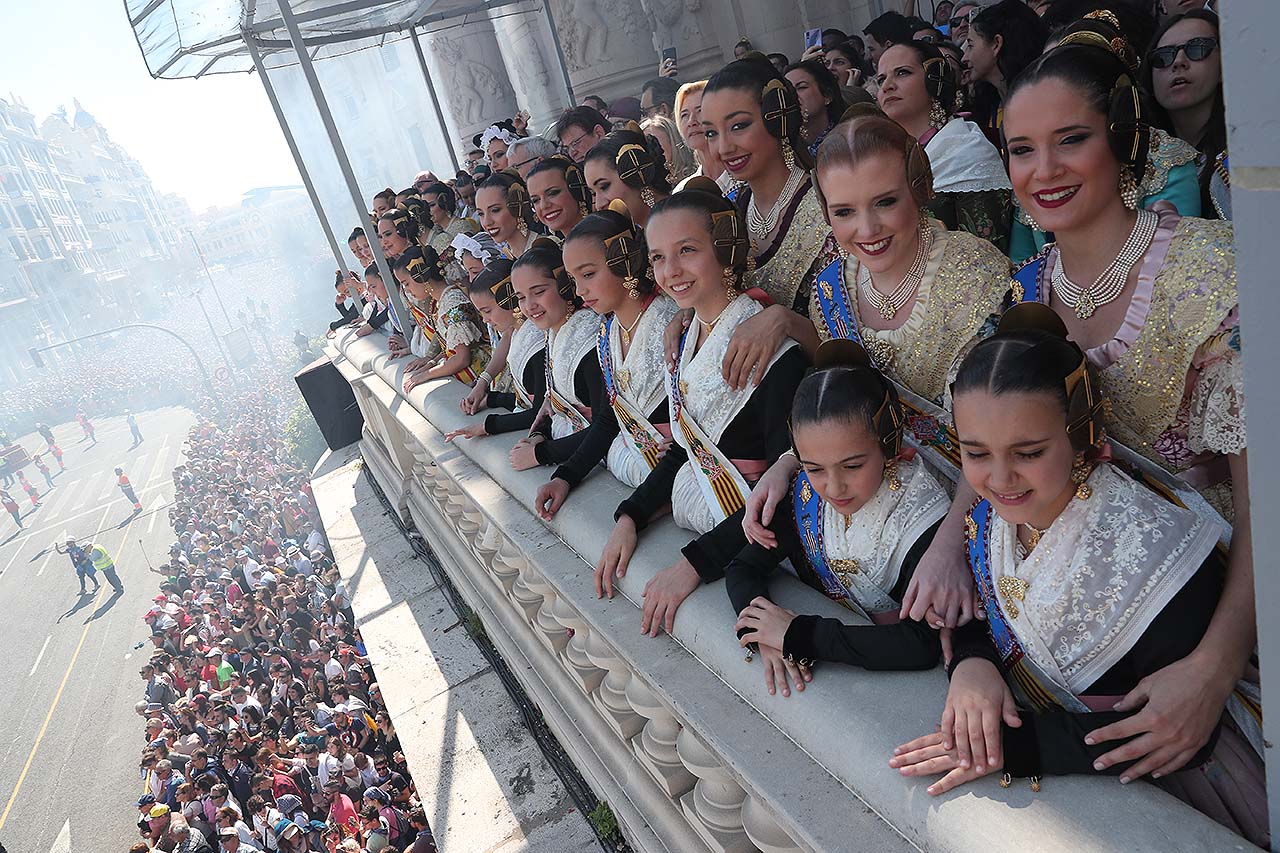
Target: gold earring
[(788, 155), (569, 313), (1129, 189), (582, 208), (522, 227), (647, 196), (632, 285), (844, 253), (1080, 472), (730, 284), (937, 115), (891, 474)]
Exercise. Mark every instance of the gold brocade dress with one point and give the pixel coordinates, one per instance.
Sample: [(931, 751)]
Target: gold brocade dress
[(801, 248), (965, 280), (1174, 370)]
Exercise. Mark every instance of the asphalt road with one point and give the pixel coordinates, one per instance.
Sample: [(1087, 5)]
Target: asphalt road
[(69, 737)]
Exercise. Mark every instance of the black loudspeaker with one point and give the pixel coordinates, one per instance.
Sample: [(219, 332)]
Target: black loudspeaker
[(331, 401)]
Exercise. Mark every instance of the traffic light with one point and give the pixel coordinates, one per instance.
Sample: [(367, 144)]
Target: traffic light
[(36, 357)]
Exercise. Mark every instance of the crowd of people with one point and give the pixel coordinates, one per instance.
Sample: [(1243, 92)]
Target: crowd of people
[(945, 312), (265, 728)]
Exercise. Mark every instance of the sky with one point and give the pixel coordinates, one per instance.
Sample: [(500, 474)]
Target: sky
[(208, 140)]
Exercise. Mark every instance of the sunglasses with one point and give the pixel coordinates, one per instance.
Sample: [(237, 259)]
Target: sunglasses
[(1196, 49), (965, 18)]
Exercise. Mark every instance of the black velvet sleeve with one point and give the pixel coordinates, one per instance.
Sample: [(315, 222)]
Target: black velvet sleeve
[(762, 423), (379, 318), (655, 492), (1053, 743), (588, 385), (899, 646), (535, 382)]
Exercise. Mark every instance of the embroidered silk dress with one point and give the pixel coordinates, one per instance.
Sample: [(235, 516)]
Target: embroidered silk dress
[(969, 178), (800, 249)]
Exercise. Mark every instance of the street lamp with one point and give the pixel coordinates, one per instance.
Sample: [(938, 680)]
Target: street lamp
[(209, 276)]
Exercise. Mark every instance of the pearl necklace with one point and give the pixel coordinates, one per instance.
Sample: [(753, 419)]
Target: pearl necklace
[(1106, 287), (890, 305), (761, 227)]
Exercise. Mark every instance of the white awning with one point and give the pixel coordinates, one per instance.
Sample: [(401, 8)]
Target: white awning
[(192, 38)]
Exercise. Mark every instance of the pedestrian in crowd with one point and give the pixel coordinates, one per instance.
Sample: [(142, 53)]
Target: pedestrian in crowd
[(43, 468), (45, 433), (133, 427), (11, 507), (57, 454), (80, 561), (126, 488), (102, 562), (32, 494)]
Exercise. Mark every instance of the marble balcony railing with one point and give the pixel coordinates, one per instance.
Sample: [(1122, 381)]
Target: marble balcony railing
[(677, 733)]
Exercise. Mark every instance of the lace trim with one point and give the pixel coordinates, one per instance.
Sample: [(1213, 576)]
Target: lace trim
[(1216, 418)]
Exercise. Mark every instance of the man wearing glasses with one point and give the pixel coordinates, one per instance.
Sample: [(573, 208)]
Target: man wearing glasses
[(422, 180), (658, 97), (960, 22), (527, 152), (578, 129)]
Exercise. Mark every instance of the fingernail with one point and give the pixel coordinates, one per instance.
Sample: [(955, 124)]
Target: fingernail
[(979, 769), (964, 762), (1124, 780), (1156, 775), (1089, 741), (1098, 765)]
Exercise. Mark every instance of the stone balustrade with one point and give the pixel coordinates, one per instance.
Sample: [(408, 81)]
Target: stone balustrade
[(678, 733)]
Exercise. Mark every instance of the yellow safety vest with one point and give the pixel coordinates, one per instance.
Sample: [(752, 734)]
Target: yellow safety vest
[(101, 559)]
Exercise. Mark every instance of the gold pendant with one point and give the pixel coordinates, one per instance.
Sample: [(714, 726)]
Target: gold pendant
[(1012, 588), (881, 352), (845, 569), (1086, 306), (887, 311)]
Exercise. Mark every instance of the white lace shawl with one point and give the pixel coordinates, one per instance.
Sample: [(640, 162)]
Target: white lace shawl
[(882, 532), (566, 347), (527, 341), (1100, 575), (963, 160)]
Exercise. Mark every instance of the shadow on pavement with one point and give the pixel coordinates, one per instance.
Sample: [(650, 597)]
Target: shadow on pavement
[(104, 606), (85, 599)]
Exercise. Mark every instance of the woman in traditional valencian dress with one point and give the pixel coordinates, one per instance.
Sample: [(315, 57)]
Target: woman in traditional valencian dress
[(440, 205), (863, 512), (526, 361), (559, 194), (752, 119), (1170, 171), (457, 327), (918, 90), (1151, 298), (627, 166), (910, 292), (471, 253), (1090, 582), (724, 438), (505, 212), (608, 261)]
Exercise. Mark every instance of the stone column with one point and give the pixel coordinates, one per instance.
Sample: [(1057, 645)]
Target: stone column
[(532, 65), (473, 80)]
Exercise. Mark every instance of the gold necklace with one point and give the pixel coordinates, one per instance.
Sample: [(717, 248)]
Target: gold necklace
[(1013, 589), (625, 331), (712, 324)]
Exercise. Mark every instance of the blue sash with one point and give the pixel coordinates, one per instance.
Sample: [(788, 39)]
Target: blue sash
[(606, 358), (808, 513), (732, 193), (1026, 281), (834, 303), (1030, 686)]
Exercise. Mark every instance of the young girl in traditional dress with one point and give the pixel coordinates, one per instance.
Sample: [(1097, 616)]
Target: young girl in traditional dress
[(863, 512), (1090, 582), (724, 438), (456, 327), (526, 359), (606, 256)]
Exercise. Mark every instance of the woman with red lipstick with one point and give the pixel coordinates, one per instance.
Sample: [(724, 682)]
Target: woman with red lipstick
[(1090, 582), (1151, 298), (526, 362), (919, 90), (911, 293), (862, 514), (752, 118), (724, 438), (608, 261), (559, 194), (1170, 173), (627, 166), (502, 203)]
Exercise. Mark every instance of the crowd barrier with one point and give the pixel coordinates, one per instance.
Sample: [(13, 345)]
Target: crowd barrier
[(678, 733)]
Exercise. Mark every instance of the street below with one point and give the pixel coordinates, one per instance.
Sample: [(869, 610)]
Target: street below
[(70, 737)]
